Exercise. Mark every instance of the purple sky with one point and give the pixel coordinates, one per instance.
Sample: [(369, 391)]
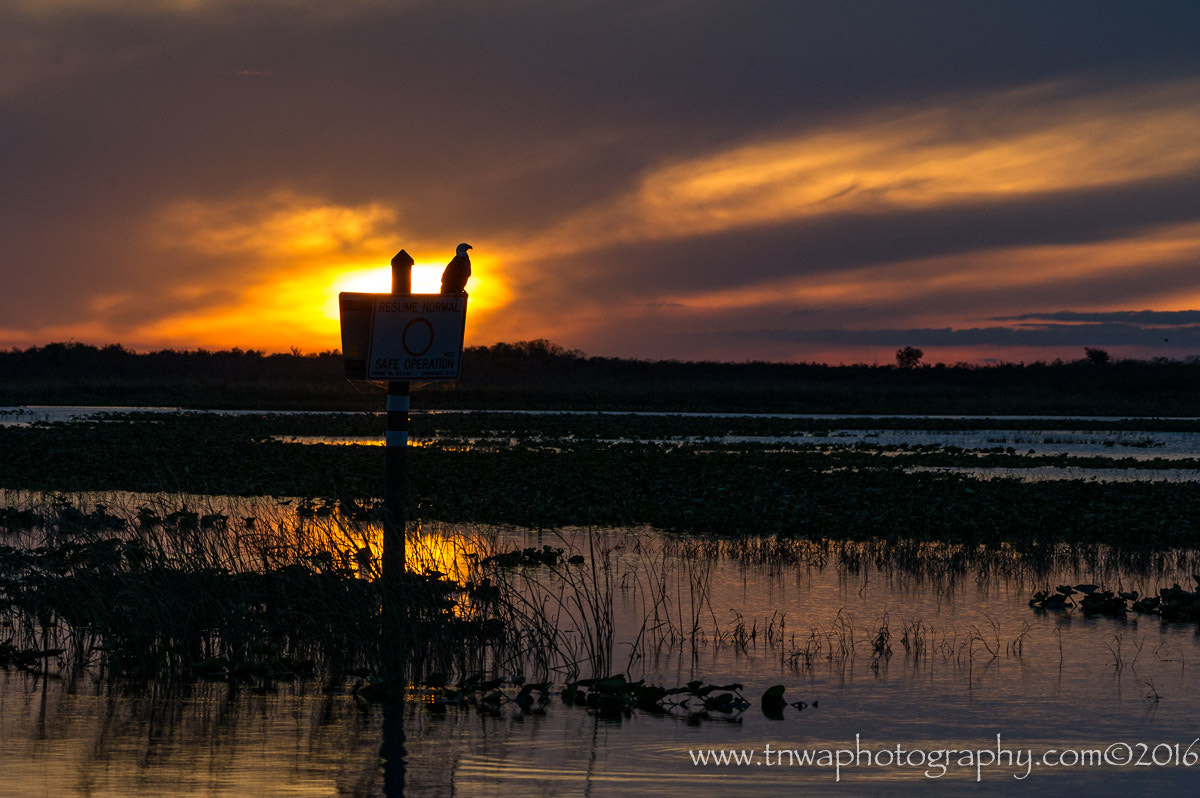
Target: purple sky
[(771, 180)]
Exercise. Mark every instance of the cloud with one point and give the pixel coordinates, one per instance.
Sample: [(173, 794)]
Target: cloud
[(888, 262), (263, 269), (1047, 335), (1143, 318), (962, 151), (631, 175), (282, 225)]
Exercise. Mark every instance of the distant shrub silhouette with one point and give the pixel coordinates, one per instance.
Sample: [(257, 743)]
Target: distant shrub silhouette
[(908, 357), (1097, 357), (537, 350)]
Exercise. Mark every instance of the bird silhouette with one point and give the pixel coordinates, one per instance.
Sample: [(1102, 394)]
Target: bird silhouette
[(458, 271)]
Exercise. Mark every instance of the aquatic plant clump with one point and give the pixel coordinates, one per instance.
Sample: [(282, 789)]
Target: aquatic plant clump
[(1171, 604), (612, 697)]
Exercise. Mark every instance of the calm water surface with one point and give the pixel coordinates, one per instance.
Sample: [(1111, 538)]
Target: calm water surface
[(979, 662), (987, 665)]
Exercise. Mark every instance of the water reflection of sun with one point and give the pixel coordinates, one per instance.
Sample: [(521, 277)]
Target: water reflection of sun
[(449, 554), (433, 550)]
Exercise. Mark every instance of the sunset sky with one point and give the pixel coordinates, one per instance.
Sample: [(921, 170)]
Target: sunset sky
[(775, 180)]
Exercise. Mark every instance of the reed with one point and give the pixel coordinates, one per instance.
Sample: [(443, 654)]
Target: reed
[(191, 586), (268, 588)]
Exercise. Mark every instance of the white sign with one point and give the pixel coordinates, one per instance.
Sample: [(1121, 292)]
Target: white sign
[(417, 337)]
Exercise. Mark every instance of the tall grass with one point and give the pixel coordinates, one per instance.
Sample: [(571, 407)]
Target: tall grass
[(173, 588), (266, 589)]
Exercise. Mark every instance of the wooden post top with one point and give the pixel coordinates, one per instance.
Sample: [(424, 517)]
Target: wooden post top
[(402, 264)]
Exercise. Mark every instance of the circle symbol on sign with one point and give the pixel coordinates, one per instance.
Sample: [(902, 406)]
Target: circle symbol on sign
[(418, 337)]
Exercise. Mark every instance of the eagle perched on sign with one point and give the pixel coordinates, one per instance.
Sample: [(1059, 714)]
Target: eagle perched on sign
[(458, 270)]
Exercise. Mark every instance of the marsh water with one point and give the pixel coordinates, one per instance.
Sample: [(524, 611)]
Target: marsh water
[(913, 666), (964, 660)]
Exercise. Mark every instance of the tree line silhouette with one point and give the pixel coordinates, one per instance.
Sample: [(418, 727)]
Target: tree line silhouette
[(541, 374)]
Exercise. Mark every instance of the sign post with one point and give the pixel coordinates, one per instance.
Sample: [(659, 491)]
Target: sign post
[(395, 516), (400, 338)]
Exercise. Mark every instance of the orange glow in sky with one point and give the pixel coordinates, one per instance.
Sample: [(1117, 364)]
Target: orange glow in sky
[(485, 290), (301, 310), (233, 179), (294, 255)]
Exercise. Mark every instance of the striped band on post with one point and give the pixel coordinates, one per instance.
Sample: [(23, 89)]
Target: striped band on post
[(396, 436)]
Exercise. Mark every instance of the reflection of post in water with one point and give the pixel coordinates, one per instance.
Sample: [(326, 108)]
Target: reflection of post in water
[(391, 751)]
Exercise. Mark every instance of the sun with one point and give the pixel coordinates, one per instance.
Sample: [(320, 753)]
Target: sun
[(426, 279), (488, 290)]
